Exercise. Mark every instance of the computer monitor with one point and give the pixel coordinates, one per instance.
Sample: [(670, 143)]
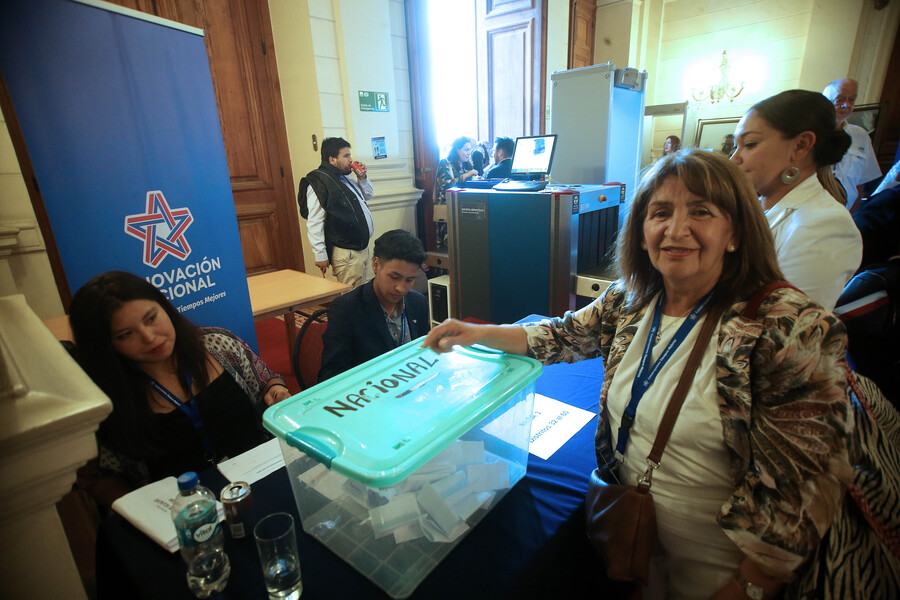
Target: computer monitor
[(533, 156)]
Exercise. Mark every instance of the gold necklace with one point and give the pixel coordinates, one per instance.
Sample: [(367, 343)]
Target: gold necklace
[(665, 328)]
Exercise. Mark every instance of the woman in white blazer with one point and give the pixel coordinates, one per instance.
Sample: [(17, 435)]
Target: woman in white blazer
[(787, 144)]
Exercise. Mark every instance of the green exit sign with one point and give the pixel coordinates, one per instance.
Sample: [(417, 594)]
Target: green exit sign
[(374, 101)]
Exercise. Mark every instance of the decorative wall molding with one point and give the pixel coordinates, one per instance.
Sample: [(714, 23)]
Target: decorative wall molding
[(395, 199), (20, 237)]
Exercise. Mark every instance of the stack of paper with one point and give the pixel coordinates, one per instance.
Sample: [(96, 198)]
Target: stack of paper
[(150, 510), (434, 502)]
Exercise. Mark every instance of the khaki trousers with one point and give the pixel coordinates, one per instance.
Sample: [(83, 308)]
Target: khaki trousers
[(350, 266)]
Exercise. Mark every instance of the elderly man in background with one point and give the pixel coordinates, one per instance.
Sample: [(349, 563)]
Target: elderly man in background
[(859, 165)]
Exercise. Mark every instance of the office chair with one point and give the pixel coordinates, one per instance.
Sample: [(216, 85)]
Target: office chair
[(308, 346)]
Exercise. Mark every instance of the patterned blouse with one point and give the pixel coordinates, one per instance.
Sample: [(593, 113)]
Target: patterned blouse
[(448, 174), (785, 412)]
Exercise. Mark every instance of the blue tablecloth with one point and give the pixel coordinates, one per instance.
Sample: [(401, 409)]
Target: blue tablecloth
[(531, 545)]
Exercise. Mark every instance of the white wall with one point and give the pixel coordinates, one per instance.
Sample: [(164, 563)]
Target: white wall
[(360, 45), (24, 266), (612, 32), (557, 46), (772, 45)]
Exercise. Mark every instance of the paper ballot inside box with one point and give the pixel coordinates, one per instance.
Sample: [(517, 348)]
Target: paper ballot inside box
[(390, 463)]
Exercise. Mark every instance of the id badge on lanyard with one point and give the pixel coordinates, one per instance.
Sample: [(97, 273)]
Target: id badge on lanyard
[(646, 374)]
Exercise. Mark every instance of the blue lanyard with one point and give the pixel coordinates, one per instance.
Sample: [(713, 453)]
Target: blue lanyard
[(349, 184), (190, 409), (646, 374)]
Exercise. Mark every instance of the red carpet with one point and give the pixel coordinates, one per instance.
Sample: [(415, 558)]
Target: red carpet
[(273, 349)]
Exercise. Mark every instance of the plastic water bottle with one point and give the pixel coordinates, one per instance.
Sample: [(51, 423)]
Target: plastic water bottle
[(196, 519)]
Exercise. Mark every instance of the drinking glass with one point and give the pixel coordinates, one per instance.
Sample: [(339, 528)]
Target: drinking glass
[(208, 572), (277, 545)]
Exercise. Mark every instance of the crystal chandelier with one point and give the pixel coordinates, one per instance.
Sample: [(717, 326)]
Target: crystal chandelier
[(717, 92)]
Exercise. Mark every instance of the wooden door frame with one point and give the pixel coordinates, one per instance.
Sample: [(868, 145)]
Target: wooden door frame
[(537, 109), (425, 146), (541, 113), (291, 238), (889, 119), (570, 59)]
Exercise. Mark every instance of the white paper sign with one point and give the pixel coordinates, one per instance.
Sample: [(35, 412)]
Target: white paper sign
[(552, 424), (253, 465)]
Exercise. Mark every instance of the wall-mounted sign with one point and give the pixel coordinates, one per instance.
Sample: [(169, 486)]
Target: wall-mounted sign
[(379, 147), (374, 101)]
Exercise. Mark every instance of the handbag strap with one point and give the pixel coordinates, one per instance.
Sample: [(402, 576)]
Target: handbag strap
[(687, 376), (761, 294), (678, 396)]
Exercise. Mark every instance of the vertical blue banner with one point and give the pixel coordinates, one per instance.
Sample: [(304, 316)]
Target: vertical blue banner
[(120, 121)]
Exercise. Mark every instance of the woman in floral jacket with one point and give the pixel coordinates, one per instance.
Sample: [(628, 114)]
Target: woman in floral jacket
[(751, 477), (453, 170)]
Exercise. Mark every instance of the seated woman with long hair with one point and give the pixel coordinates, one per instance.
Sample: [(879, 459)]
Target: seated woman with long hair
[(183, 397), (453, 170)]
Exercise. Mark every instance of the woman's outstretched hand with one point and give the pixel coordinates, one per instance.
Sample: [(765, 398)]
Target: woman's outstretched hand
[(449, 333)]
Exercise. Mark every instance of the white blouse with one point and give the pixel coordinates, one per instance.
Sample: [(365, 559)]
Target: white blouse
[(817, 243)]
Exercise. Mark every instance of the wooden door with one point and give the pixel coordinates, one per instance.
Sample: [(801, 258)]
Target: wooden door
[(582, 16), (239, 44), (889, 119), (425, 145), (511, 54)]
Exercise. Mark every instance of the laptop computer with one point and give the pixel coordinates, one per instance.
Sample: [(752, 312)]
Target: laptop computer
[(531, 162)]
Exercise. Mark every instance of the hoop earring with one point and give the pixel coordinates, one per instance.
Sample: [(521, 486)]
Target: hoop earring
[(790, 175)]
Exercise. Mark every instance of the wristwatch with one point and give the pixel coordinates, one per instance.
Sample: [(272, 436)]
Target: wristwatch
[(753, 591)]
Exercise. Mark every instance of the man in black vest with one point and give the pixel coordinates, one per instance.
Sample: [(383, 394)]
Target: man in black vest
[(338, 219)]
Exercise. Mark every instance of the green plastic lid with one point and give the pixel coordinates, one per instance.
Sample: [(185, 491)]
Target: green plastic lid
[(379, 422)]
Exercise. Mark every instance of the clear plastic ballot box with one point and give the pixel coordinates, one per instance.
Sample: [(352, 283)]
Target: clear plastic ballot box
[(394, 461)]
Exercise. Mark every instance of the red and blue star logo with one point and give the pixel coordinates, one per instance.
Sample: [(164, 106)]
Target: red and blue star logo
[(161, 229)]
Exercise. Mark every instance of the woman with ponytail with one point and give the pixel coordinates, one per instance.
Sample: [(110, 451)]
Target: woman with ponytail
[(788, 145)]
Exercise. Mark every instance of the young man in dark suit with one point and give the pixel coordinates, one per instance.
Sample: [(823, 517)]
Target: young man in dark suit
[(383, 313)]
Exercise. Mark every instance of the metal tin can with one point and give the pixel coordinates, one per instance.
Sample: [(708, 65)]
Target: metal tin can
[(358, 168), (236, 501)]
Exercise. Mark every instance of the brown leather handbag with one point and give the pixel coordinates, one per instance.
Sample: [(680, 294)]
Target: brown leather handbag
[(621, 519)]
